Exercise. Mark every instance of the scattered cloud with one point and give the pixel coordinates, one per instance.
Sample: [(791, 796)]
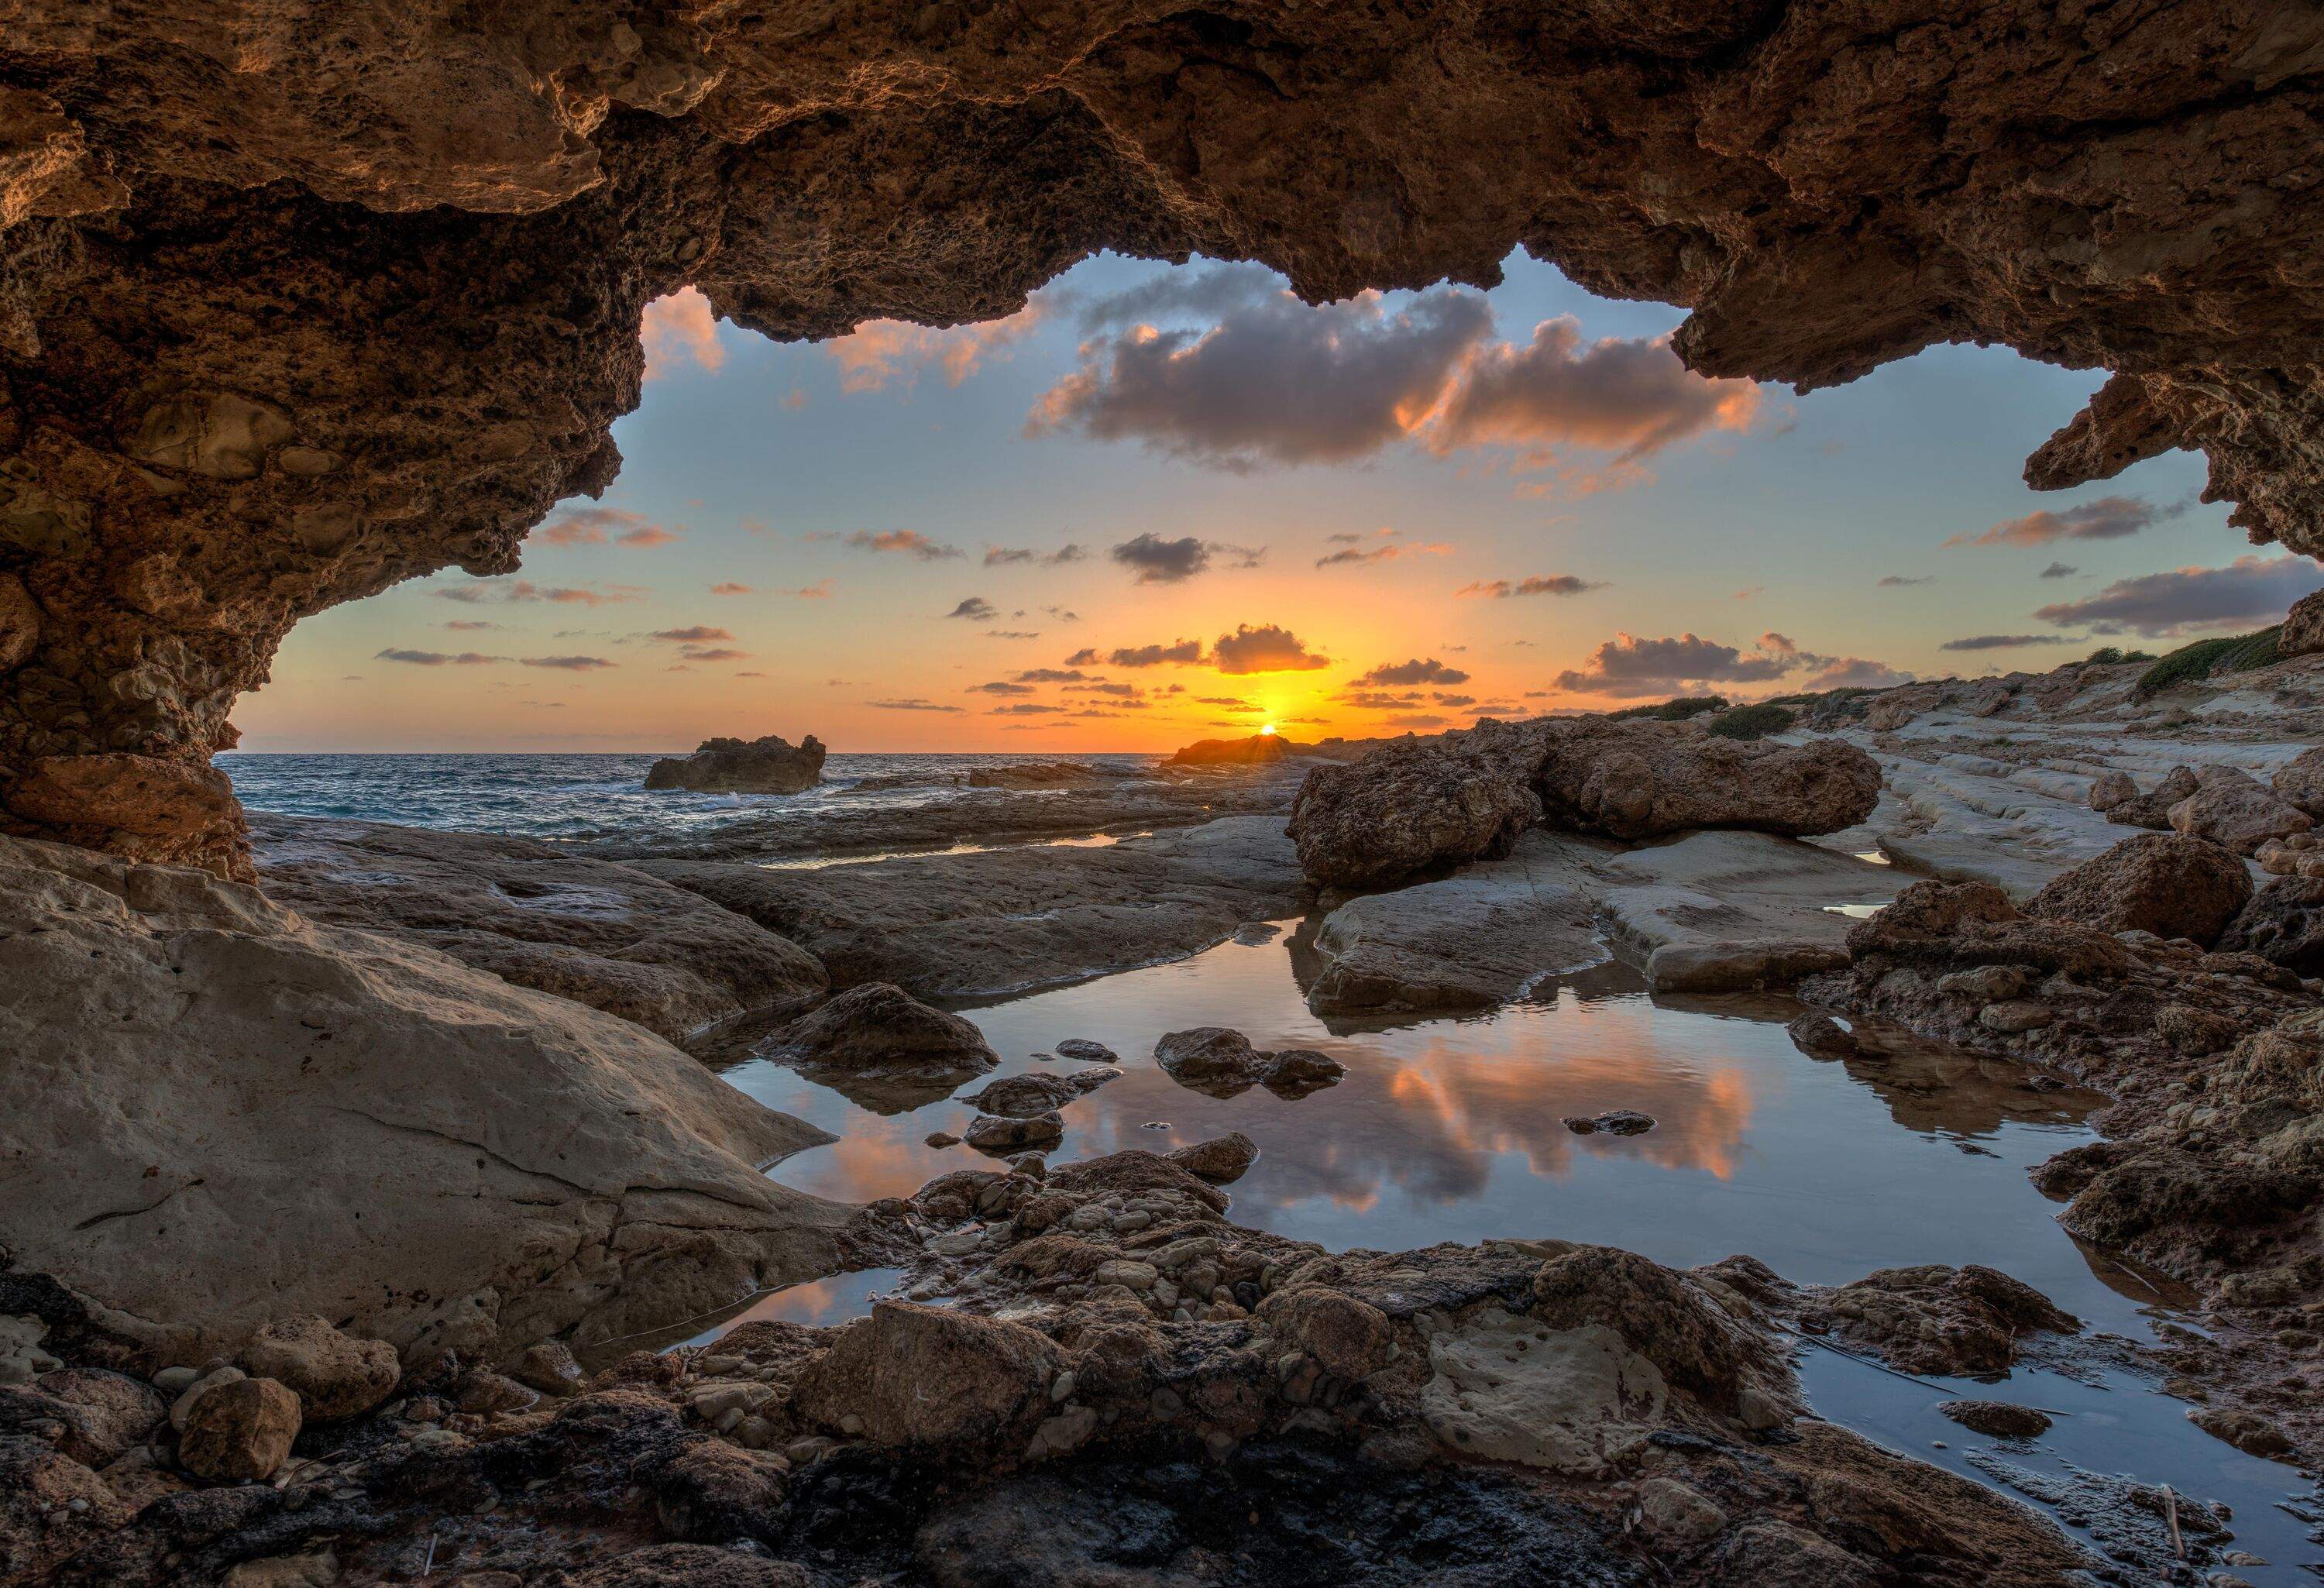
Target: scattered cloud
[(461, 625), (697, 631), (1898, 581), (1156, 561), (1002, 556), (680, 329), (1388, 547), (597, 526), (1851, 672), (1268, 649), (1538, 585), (975, 609), (1402, 674), (2104, 518), (713, 653), (1012, 633), (879, 351), (1000, 686), (478, 592), (437, 658), (1026, 708), (2001, 641), (731, 588), (1627, 664), (1052, 675), (909, 542), (575, 664), (913, 704), (1181, 653), (2248, 591), (2060, 570), (1419, 719), (818, 591)]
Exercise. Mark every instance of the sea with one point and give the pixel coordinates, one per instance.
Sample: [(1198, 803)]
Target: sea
[(581, 797)]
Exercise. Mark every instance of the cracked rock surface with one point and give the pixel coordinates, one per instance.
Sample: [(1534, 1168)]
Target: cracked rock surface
[(289, 313)]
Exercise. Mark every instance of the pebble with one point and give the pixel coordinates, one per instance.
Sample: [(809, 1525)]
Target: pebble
[(2014, 1015), (1063, 1389), (176, 1381)]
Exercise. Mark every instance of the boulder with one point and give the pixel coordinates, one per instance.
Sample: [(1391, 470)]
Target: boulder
[(929, 1378), (1002, 1134), (302, 1119), (1416, 803), (240, 1431), (2284, 922), (2299, 781), (540, 916), (1221, 1160), (1997, 1419), (1349, 1338), (2160, 883), (2302, 633), (1639, 780), (2110, 788), (883, 1048), (1257, 749), (333, 1375), (1023, 1096), (2152, 809), (2235, 809), (91, 1415), (1223, 1063), (771, 765), (1965, 1322)]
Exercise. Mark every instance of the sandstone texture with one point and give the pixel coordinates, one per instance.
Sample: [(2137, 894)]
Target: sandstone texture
[(2284, 922), (232, 254), (2303, 627), (283, 1106), (2166, 884), (539, 915), (771, 765)]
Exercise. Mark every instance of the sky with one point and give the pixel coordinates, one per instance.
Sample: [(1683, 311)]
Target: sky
[(1164, 503)]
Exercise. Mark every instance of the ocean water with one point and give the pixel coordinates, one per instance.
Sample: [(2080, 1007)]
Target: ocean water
[(581, 797)]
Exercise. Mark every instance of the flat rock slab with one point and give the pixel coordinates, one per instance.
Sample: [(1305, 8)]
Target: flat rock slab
[(982, 925), (534, 914), (292, 1118), (1482, 937)]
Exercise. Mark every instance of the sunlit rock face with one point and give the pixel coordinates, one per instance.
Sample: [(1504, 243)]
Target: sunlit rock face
[(293, 307)]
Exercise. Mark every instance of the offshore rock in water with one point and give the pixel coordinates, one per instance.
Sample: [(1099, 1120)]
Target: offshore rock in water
[(771, 765)]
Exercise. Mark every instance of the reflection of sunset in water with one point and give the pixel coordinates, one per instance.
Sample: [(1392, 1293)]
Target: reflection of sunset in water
[(1452, 1129)]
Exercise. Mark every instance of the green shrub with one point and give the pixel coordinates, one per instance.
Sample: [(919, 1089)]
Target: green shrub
[(1753, 721), (2105, 656), (2231, 653), (1670, 711)]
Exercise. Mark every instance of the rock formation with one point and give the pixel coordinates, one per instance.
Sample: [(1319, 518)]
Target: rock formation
[(883, 1048), (289, 315), (1468, 795), (771, 765), (1222, 1063), (1257, 749), (2164, 883), (297, 1118)]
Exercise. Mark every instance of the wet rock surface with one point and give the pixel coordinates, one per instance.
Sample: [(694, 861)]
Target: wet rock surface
[(1223, 1063), (882, 1047), (771, 765)]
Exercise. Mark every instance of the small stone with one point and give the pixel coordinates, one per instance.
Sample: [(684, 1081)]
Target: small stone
[(1987, 984), (549, 1368), (2013, 1016), (183, 1406), (1677, 1517), (1063, 1387), (239, 1430), (175, 1381), (1758, 1411), (1997, 1419), (1127, 1272), (334, 1375), (943, 1138)]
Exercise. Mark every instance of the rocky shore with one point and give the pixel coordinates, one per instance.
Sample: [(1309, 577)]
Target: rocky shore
[(228, 1359)]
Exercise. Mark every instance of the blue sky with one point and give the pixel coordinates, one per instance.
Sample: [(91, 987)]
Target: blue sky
[(1243, 433)]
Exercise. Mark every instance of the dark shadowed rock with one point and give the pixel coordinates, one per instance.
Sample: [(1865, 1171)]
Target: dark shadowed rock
[(2303, 628), (685, 1565), (1418, 803), (1639, 780), (1221, 1160), (1997, 1419), (771, 765), (882, 1048), (2299, 781), (1041, 1092), (930, 1378), (1223, 1063), (334, 1375), (2284, 921), (1002, 1134), (2153, 809), (2164, 883), (1257, 749), (1964, 1322)]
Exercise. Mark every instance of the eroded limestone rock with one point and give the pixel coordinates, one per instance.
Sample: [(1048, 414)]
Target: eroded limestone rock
[(771, 765), (2171, 885)]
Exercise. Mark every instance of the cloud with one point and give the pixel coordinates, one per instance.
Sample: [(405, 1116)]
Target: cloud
[(999, 556), (2250, 590), (2060, 570), (1538, 585), (437, 658), (1230, 701), (2001, 641), (525, 590), (818, 591), (1376, 700), (696, 633), (712, 654), (1631, 397), (1203, 294), (469, 624), (1156, 561), (575, 664), (731, 588), (975, 609), (1392, 548), (1125, 690), (2104, 518), (1026, 708), (1851, 672), (1419, 719), (881, 351), (1400, 674), (1268, 649), (1052, 675), (1012, 633), (999, 688), (1274, 381), (910, 542), (913, 704), (1898, 581), (680, 329), (1629, 665), (1181, 653)]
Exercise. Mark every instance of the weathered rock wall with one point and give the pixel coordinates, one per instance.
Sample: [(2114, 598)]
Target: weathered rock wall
[(292, 308)]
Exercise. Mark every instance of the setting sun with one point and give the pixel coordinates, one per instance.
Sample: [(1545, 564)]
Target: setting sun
[(1268, 729)]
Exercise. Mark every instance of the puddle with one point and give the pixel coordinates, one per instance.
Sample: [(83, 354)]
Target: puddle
[(1450, 1129), (816, 863)]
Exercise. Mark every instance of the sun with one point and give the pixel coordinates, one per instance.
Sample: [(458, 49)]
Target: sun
[(1267, 732)]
